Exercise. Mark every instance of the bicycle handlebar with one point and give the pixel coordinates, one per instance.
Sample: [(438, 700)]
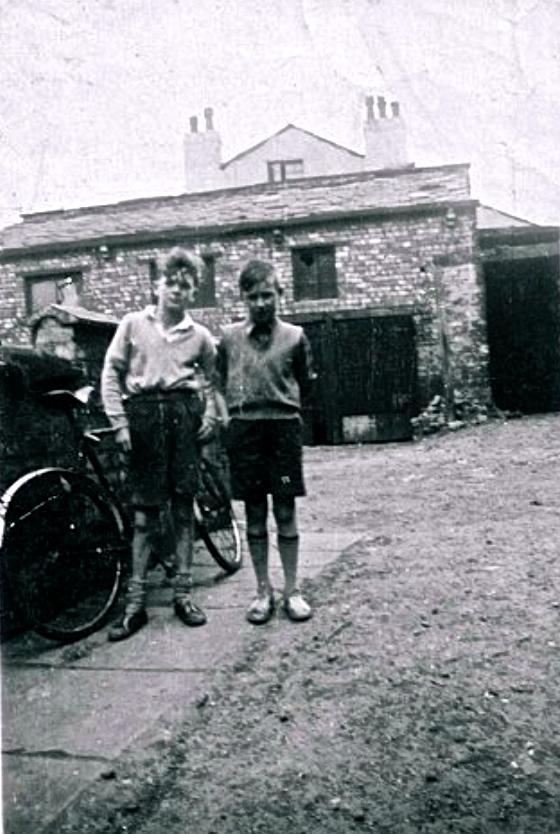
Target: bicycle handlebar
[(98, 433), (68, 399)]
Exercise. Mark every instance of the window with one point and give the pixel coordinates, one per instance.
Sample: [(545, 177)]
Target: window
[(56, 288), (206, 295), (280, 170), (314, 272)]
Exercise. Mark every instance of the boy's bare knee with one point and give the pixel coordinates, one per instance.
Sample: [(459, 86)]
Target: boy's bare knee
[(256, 514), (145, 520), (285, 516), (182, 508), (284, 510)]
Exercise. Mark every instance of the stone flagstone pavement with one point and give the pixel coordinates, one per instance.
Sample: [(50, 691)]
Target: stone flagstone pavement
[(69, 712)]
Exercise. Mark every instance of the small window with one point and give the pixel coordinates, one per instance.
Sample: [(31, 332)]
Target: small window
[(280, 170), (314, 272), (206, 295), (57, 288)]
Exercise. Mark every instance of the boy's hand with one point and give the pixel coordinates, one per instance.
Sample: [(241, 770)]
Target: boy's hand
[(206, 431), (122, 438)]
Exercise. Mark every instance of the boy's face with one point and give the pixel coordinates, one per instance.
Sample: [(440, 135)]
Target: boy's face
[(176, 292), (262, 301)]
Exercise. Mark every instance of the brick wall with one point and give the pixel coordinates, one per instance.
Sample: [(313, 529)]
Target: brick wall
[(422, 263)]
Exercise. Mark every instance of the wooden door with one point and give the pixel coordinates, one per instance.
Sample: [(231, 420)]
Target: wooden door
[(376, 370), (523, 321), (366, 379), (316, 407)]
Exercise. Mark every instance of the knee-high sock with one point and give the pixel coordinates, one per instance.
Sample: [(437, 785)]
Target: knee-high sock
[(258, 548), (288, 547)]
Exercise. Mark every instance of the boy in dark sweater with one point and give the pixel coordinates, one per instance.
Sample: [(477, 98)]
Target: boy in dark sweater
[(265, 367)]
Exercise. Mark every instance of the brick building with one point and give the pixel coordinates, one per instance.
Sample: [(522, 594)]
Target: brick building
[(380, 267)]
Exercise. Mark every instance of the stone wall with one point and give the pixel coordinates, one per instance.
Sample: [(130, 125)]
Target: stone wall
[(419, 262), (32, 433)]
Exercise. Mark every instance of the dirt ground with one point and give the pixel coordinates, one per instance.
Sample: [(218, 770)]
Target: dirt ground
[(422, 697)]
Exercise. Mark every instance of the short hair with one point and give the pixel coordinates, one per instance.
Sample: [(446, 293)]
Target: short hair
[(179, 258), (254, 272)]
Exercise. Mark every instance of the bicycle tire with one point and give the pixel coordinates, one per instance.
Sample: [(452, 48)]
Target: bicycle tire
[(63, 544), (215, 520)]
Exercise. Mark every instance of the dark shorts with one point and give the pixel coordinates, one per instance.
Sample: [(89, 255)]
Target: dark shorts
[(265, 457), (164, 457)]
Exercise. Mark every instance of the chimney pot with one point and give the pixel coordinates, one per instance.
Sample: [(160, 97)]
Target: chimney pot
[(208, 115), (369, 109), (385, 136), (194, 124)]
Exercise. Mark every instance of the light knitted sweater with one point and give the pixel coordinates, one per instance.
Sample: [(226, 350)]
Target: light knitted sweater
[(143, 357)]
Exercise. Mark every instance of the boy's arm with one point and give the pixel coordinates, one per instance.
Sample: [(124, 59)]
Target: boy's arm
[(208, 367), (220, 377), (115, 366), (221, 368), (303, 366)]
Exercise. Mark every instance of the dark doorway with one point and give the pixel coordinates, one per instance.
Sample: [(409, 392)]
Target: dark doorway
[(366, 385), (315, 407), (523, 319), (376, 368)]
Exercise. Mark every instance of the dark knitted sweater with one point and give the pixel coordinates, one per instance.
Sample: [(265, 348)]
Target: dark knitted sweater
[(264, 371)]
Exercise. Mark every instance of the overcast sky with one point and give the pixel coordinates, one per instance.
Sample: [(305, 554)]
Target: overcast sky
[(96, 95)]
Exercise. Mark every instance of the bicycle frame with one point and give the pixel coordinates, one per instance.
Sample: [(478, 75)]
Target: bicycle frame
[(87, 439), (86, 450)]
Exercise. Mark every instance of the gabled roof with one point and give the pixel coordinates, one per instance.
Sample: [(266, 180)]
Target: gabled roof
[(255, 207), (490, 218), (72, 314), (284, 129)]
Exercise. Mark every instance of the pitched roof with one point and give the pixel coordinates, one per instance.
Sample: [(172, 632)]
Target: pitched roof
[(491, 218), (72, 314), (251, 207), (284, 129)]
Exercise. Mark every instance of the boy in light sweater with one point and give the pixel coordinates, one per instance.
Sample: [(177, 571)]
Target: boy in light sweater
[(162, 408)]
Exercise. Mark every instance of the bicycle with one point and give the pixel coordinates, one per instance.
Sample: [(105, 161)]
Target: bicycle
[(65, 536)]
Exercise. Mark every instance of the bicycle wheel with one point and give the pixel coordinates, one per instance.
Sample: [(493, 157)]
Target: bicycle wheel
[(215, 520), (63, 544)]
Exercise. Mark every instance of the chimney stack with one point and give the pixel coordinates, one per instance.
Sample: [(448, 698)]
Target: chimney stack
[(208, 116), (203, 156), (385, 136)]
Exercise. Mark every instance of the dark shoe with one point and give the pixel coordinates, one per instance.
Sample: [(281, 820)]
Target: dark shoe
[(261, 609), (131, 622), (297, 608), (189, 613)]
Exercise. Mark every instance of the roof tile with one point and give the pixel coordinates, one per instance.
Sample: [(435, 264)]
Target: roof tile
[(250, 205)]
